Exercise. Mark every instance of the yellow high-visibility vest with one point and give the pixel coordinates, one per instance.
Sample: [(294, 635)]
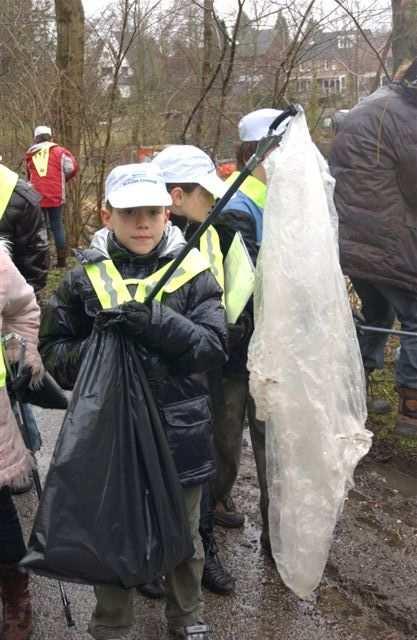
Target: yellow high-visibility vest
[(112, 290), (2, 369), (8, 181), (210, 248), (252, 187), (41, 158)]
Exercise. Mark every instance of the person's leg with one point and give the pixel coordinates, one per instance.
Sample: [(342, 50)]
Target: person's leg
[(113, 614), (215, 577), (184, 602), (405, 305), (57, 225), (14, 583), (378, 312), (56, 221), (257, 434), (228, 431)]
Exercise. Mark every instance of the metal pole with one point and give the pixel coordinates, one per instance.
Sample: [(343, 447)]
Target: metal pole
[(20, 419), (19, 415), (392, 332), (264, 145)]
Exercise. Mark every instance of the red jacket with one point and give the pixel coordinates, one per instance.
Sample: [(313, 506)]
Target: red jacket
[(61, 166)]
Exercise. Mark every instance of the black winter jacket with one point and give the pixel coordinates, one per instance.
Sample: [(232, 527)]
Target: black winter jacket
[(186, 338), (23, 225)]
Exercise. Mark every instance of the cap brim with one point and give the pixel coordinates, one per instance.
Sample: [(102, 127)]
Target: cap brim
[(213, 184), (134, 196)]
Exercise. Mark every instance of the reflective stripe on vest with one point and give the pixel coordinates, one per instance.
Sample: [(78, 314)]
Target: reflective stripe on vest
[(210, 248), (2, 368), (8, 181), (41, 158), (112, 289), (251, 187)]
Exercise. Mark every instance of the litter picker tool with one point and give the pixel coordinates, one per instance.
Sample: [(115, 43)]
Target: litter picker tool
[(264, 145), (362, 328), (16, 372)]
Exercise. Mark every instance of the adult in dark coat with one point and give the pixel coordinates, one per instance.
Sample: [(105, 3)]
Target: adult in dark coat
[(374, 161), (23, 225)]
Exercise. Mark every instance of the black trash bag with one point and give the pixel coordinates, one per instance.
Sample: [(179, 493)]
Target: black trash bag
[(112, 510)]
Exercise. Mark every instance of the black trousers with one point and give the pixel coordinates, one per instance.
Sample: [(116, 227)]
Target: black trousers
[(12, 545)]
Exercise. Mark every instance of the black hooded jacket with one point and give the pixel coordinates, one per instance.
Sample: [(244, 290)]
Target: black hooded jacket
[(23, 226), (185, 339)]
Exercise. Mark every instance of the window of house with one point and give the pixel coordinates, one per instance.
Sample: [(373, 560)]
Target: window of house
[(326, 65), (346, 41)]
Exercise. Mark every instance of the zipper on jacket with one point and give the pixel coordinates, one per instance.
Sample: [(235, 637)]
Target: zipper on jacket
[(148, 525)]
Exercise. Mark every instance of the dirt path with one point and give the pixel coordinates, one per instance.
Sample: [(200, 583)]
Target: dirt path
[(368, 591)]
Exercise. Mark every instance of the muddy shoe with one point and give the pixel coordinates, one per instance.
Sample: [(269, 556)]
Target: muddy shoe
[(406, 424), (154, 590), (215, 577), (225, 515), (199, 631)]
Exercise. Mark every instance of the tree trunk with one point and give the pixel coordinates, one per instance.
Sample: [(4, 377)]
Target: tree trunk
[(404, 40), (206, 68), (70, 25)]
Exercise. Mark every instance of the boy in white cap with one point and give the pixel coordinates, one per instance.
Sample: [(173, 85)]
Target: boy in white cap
[(194, 185), (243, 213), (49, 166), (182, 337)]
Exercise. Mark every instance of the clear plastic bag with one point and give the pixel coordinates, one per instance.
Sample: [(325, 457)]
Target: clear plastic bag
[(306, 372)]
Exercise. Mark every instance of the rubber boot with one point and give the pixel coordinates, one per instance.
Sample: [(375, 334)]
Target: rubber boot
[(215, 577), (17, 606), (61, 258), (406, 424), (225, 514)]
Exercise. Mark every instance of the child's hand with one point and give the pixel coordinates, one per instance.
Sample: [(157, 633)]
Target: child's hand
[(130, 318), (137, 317), (108, 319)]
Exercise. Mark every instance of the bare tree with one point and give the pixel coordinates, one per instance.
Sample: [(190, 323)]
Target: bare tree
[(70, 23), (404, 40)]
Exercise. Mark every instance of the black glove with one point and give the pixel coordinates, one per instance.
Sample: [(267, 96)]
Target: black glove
[(130, 318), (138, 316)]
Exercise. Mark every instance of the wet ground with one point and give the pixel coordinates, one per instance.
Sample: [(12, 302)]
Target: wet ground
[(368, 592)]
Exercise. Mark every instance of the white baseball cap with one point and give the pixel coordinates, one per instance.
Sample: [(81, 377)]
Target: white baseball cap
[(41, 130), (255, 125), (136, 185), (184, 163)]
